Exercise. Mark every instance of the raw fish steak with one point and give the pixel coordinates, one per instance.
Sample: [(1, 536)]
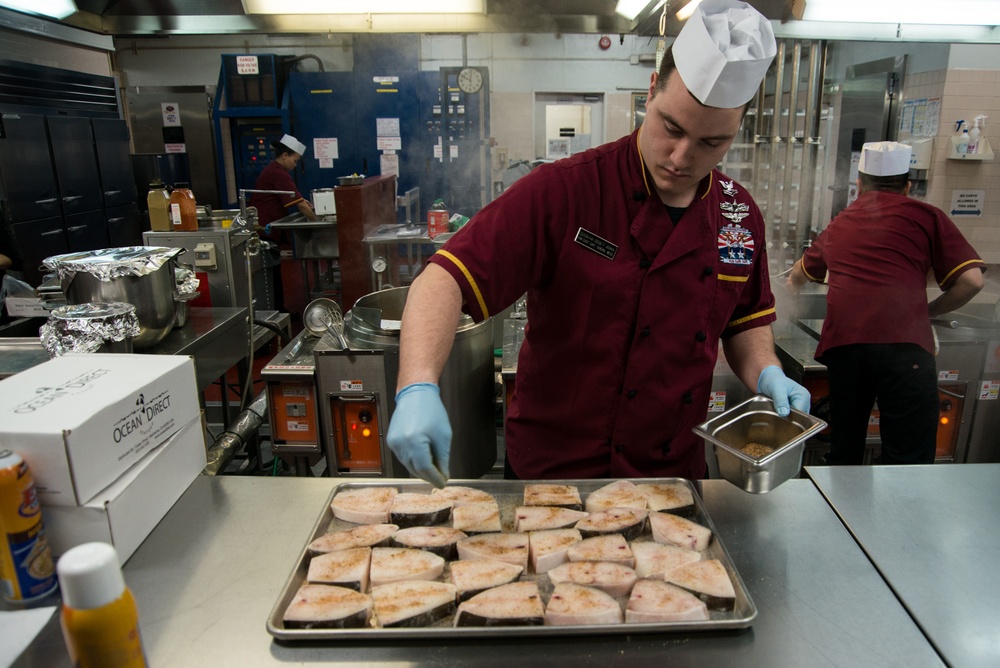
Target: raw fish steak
[(539, 518), (508, 547), (618, 494), (673, 497), (439, 540), (324, 607), (409, 604), (611, 578), (547, 494), (366, 505), (658, 601), (629, 522), (708, 581), (462, 496), (515, 604), (612, 547), (419, 510), (573, 604), (653, 560), (678, 531), (550, 548), (344, 568), (479, 517), (472, 576), (369, 535), (393, 564)]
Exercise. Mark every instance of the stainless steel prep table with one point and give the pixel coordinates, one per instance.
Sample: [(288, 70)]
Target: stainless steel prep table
[(931, 532), (207, 577)]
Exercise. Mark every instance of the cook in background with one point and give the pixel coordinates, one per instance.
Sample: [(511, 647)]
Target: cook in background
[(270, 207), (637, 257), (877, 341)]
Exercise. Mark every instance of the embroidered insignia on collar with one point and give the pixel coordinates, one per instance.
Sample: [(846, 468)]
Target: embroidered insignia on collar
[(728, 188), (736, 244), (734, 206)]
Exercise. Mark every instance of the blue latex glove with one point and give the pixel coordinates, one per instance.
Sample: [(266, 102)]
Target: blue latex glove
[(774, 383), (420, 433)]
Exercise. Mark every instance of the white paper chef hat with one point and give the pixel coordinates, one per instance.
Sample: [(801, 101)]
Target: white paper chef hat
[(723, 52), (885, 158), (293, 143)]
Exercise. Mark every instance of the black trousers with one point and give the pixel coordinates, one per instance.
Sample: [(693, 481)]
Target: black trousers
[(903, 378)]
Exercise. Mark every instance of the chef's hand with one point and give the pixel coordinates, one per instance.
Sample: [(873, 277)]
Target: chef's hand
[(420, 433), (783, 390)]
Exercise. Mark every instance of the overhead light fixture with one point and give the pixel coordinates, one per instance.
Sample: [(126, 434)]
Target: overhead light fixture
[(685, 12), (366, 7), (56, 9), (957, 12), (631, 8)]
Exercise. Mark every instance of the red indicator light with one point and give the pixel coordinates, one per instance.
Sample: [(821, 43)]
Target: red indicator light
[(354, 426)]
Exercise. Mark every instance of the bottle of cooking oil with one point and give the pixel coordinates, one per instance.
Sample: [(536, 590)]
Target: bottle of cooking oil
[(183, 208), (158, 201), (99, 617)]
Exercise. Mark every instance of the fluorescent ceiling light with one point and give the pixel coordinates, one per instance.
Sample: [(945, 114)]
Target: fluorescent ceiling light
[(364, 7), (956, 12), (685, 12), (630, 8), (57, 9)]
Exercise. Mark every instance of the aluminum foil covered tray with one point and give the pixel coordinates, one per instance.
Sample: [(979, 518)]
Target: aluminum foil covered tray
[(509, 495)]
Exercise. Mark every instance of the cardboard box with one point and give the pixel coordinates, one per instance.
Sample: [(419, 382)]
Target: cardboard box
[(80, 421), (126, 512)]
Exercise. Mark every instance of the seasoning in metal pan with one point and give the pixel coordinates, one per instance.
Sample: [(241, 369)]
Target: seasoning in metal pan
[(756, 450)]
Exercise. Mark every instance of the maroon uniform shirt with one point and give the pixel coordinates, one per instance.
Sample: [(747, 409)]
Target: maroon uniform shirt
[(877, 253), (625, 310), (272, 207)]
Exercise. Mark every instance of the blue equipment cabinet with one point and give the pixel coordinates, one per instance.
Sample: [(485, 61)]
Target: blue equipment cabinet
[(322, 105)]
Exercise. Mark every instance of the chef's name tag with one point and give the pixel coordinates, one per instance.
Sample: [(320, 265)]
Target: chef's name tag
[(594, 243)]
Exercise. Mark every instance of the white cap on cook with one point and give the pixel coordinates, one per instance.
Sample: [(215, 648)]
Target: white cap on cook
[(723, 52), (885, 158), (293, 143)]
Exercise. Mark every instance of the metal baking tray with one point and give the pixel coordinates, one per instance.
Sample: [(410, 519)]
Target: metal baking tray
[(509, 495)]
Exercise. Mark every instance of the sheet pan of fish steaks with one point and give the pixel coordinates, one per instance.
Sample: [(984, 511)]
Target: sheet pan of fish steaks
[(502, 557)]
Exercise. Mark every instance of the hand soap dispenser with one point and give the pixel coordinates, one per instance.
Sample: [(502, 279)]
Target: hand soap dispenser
[(975, 133)]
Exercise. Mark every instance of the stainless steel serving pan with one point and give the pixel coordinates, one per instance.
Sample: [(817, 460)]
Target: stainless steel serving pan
[(756, 421), (509, 495)]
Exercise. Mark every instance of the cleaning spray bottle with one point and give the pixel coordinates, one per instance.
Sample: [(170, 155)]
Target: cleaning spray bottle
[(963, 139), (976, 132)]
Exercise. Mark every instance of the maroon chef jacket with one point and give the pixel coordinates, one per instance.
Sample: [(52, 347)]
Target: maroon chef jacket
[(877, 253), (272, 207), (625, 310)]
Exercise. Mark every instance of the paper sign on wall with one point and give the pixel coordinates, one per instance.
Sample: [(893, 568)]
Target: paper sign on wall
[(326, 151), (171, 112), (717, 402), (967, 203), (247, 65)]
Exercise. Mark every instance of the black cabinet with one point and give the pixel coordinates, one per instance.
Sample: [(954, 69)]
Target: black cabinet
[(38, 240), (114, 161), (124, 227), (87, 230), (71, 142), (27, 177)]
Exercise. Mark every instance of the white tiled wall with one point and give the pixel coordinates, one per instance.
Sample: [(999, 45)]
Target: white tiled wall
[(965, 93)]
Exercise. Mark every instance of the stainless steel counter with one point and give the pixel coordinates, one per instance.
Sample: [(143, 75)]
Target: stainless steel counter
[(207, 577), (931, 530)]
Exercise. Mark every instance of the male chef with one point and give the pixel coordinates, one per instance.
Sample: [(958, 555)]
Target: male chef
[(877, 341), (637, 258)]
